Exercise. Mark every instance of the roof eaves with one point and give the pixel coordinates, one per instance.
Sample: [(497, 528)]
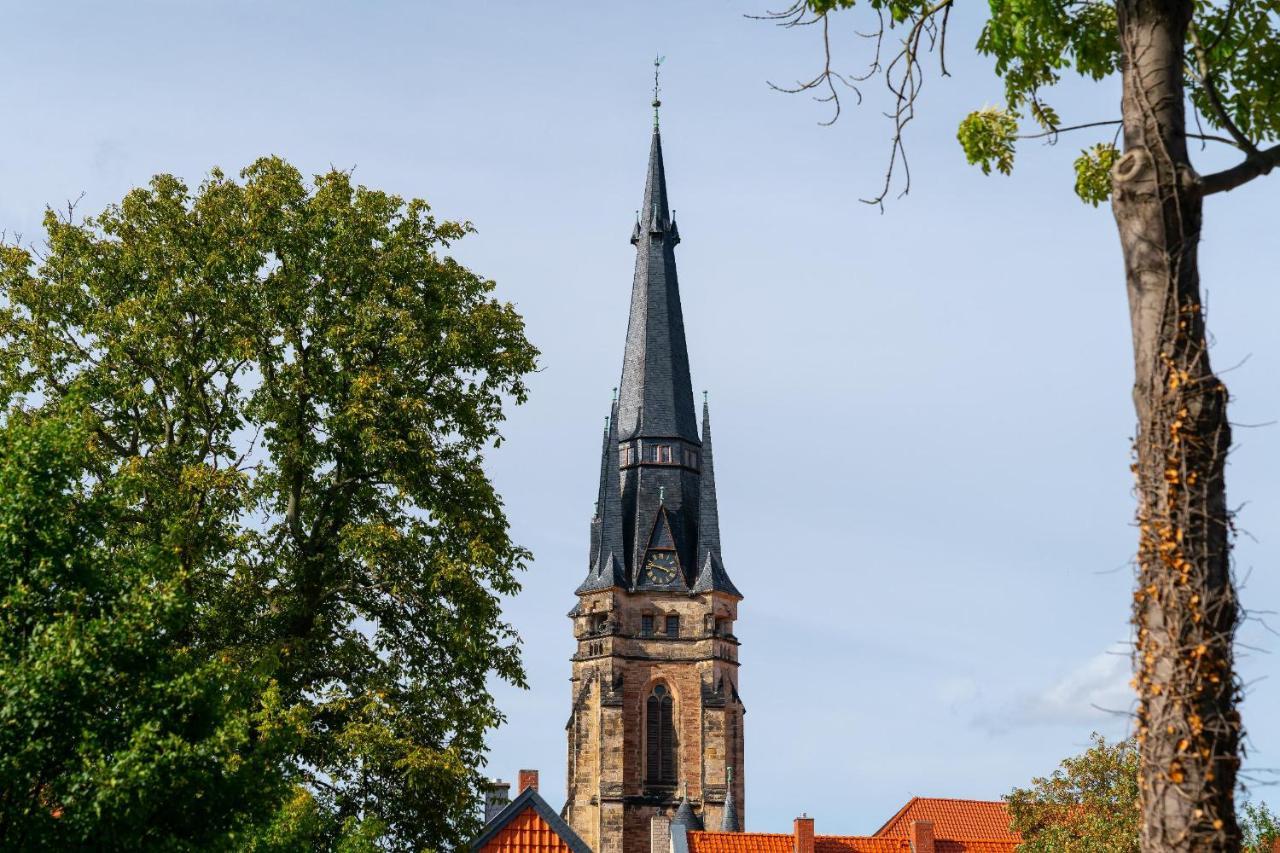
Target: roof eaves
[(529, 797), (896, 816)]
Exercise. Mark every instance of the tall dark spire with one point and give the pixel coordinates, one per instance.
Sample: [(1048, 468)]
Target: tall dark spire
[(607, 566), (708, 509), (657, 394), (711, 572)]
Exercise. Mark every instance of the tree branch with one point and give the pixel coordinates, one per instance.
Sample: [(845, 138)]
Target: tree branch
[(1253, 167), (1206, 137), (1058, 130), (1215, 100)]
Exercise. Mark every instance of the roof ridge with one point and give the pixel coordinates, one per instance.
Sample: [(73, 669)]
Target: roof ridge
[(926, 802), (526, 799)]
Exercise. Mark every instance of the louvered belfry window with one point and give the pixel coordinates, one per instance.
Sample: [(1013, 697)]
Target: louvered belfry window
[(660, 738)]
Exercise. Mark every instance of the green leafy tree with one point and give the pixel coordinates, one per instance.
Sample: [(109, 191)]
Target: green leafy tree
[(1089, 804), (114, 733), (1260, 828), (300, 386), (1218, 60)]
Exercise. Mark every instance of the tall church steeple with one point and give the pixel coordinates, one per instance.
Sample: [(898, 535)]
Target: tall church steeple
[(656, 397), (655, 676)]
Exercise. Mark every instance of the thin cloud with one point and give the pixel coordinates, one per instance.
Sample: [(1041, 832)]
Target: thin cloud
[(1094, 693)]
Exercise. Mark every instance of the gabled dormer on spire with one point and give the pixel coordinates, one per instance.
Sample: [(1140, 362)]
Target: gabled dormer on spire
[(656, 397), (712, 576), (661, 568), (607, 566)]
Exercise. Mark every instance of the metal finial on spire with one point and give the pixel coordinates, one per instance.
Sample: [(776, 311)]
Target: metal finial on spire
[(657, 62), (662, 494), (615, 395), (704, 396)]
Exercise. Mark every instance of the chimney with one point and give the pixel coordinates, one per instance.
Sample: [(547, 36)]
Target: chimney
[(497, 794), (804, 835), (660, 834), (527, 779), (921, 836)]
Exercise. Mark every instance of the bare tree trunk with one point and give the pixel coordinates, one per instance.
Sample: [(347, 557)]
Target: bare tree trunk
[(1185, 607)]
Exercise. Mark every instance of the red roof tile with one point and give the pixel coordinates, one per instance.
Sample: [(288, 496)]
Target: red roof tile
[(962, 820), (959, 826), (768, 842), (527, 832)]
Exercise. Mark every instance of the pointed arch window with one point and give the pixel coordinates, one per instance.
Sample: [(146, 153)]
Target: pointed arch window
[(660, 737)]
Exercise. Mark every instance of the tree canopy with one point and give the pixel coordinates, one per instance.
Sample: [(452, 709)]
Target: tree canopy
[(1091, 803), (114, 733), (298, 386), (1231, 75)]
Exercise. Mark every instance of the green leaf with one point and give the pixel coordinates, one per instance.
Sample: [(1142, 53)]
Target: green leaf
[(1093, 173), (987, 137)]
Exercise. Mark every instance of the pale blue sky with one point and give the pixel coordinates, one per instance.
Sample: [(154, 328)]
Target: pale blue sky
[(922, 418)]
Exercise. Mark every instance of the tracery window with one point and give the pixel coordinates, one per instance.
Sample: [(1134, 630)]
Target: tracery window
[(660, 737)]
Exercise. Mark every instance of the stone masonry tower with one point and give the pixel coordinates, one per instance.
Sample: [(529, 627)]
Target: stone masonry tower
[(656, 716)]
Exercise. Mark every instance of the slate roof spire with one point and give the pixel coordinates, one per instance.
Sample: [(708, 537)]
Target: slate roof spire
[(711, 572), (656, 397), (607, 567), (685, 815), (729, 822)]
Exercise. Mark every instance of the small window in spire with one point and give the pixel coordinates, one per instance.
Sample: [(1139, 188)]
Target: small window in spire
[(673, 625), (664, 453), (646, 625)]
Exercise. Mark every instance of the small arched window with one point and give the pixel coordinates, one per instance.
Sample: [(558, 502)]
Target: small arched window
[(660, 736)]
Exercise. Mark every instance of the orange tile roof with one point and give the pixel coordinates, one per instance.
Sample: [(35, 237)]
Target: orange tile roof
[(768, 842), (527, 832), (959, 826), (962, 820)]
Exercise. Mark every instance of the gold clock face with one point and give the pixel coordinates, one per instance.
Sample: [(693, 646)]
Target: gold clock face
[(661, 567)]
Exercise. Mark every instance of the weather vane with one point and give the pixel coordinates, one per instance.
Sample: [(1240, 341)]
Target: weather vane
[(657, 62)]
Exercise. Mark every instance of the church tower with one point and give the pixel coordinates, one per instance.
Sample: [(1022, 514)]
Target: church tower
[(656, 721)]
